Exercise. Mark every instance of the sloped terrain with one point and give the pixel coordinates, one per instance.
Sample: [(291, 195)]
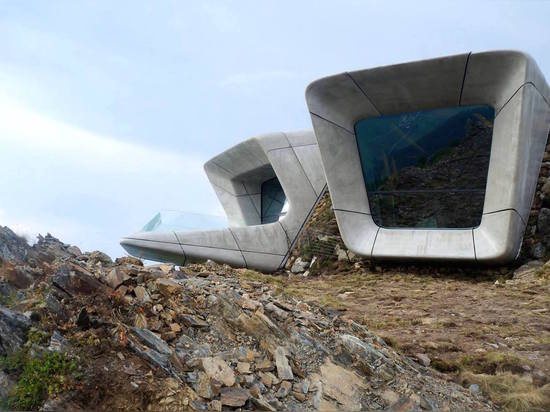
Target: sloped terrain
[(479, 325), (78, 331)]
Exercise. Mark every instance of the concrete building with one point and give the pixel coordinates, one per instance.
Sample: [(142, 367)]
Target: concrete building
[(434, 159), (268, 186)]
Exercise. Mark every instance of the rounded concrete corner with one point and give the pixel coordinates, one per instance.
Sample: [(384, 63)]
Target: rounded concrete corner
[(498, 239)]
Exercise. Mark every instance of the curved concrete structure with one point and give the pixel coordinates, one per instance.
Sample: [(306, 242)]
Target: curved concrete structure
[(509, 82), (237, 176)]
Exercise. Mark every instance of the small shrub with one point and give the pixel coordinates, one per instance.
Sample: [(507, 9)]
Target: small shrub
[(444, 366), (493, 362), (37, 337), (39, 377)]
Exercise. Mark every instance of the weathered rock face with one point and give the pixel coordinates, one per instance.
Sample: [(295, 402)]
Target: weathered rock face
[(75, 280), (205, 337), (12, 247), (14, 328)]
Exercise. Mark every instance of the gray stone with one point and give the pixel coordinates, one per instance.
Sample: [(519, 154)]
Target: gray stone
[(14, 328), (74, 250), (284, 389), (284, 371), (75, 280), (203, 387), (389, 396), (543, 221), (6, 385), (58, 343), (99, 257), (277, 312), (423, 359), (261, 405), (342, 385), (474, 389), (539, 377), (234, 397), (168, 286), (341, 253), (151, 340), (141, 294), (217, 368), (361, 349), (55, 307), (194, 322), (538, 250), (13, 248), (116, 277), (299, 265)]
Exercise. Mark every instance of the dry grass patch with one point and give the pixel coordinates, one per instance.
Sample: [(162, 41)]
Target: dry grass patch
[(493, 362), (512, 392)]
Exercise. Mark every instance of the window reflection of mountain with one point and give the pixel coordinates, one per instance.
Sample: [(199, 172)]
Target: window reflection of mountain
[(446, 189)]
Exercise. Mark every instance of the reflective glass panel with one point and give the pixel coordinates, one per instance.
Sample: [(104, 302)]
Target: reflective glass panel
[(427, 169), (273, 201), (176, 221)]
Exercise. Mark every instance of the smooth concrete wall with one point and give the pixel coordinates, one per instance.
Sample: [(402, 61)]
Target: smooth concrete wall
[(509, 81), (237, 175)]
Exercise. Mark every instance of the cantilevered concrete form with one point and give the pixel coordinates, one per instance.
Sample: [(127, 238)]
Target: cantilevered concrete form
[(403, 146), (268, 186)]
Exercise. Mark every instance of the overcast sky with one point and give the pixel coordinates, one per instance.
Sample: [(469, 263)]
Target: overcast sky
[(109, 109)]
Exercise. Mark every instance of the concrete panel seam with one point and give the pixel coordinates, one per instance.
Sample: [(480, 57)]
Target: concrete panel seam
[(374, 243), (233, 194), (516, 92), (286, 234), (238, 246), (232, 175), (304, 171), (464, 79), (474, 242), (151, 240), (251, 201), (364, 93), (351, 211), (210, 247), (287, 139), (331, 122), (181, 247), (297, 145), (505, 210)]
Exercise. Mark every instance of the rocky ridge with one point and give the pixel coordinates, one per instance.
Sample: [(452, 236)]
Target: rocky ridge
[(200, 337)]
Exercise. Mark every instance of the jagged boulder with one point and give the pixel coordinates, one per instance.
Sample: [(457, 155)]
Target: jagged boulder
[(13, 248), (14, 328), (75, 280)]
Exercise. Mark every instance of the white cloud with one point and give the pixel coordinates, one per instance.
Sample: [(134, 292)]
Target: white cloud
[(85, 188), (37, 132)]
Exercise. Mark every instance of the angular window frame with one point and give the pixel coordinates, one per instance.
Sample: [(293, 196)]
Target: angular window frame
[(363, 148), (509, 81)]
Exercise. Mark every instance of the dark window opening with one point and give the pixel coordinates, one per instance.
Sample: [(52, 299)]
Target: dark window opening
[(273, 201), (427, 169)]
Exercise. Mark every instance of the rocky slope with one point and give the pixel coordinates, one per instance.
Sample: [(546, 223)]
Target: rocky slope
[(79, 331)]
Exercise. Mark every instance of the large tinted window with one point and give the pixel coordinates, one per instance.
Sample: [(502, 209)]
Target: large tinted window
[(427, 169), (273, 200)]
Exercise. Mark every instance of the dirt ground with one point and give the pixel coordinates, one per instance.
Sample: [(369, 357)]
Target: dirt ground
[(444, 316)]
